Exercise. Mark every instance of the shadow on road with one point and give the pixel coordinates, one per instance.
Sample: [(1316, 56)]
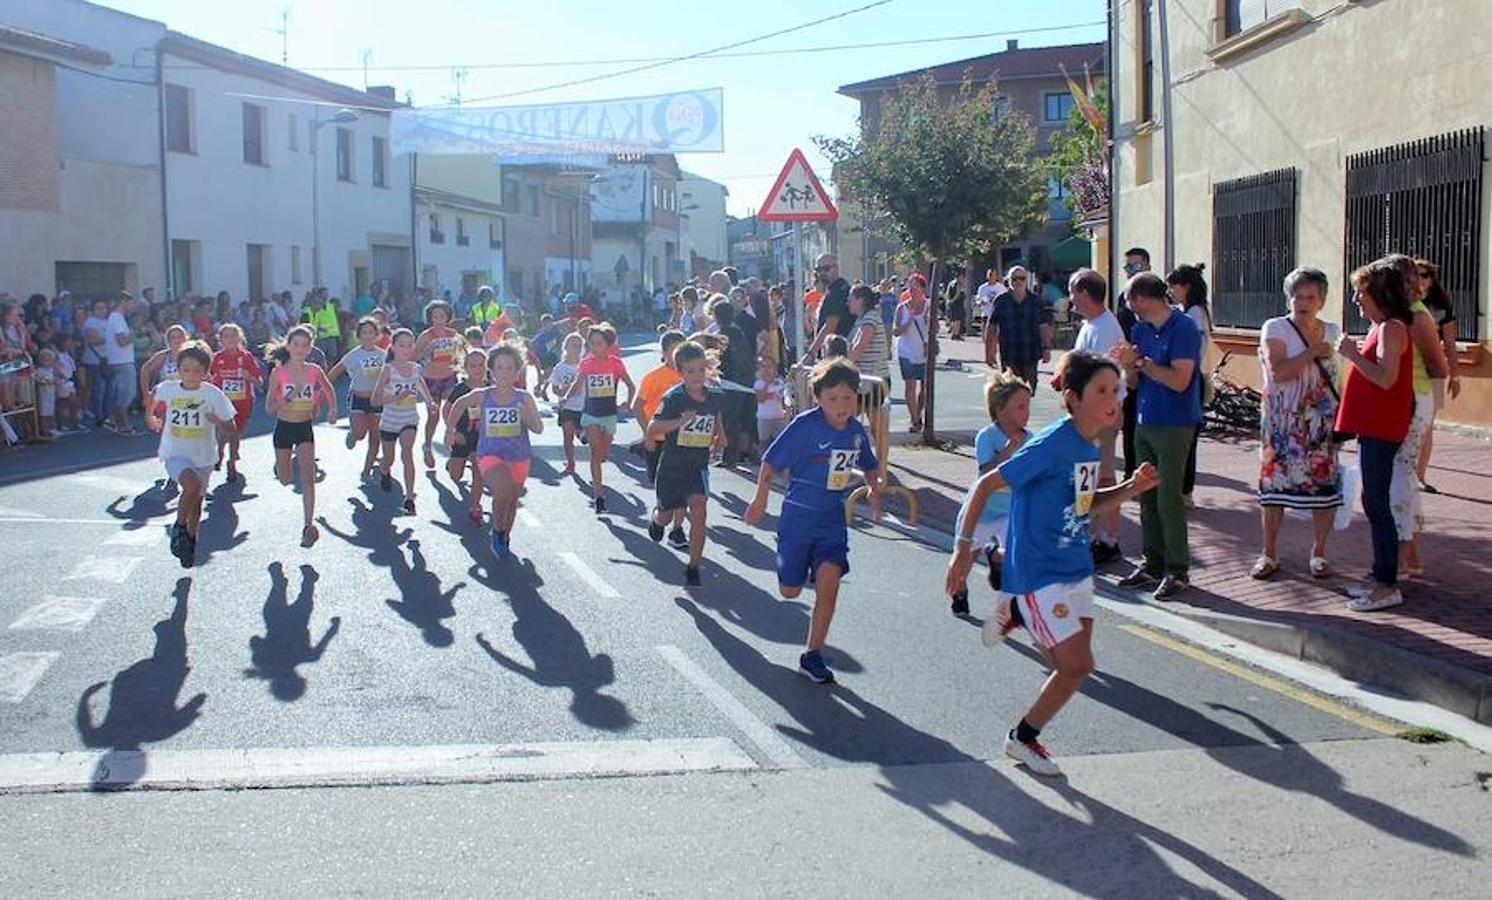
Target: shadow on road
[(286, 642), (421, 602)]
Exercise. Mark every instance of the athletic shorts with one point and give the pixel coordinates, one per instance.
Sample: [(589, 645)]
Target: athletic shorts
[(801, 551), (291, 434), (605, 423), (242, 411), (912, 371), (359, 404), (517, 468), (177, 466), (440, 387), (675, 488), (394, 435), (1056, 612), (467, 446), (572, 416)]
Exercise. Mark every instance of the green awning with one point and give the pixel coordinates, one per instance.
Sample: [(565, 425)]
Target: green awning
[(1073, 253)]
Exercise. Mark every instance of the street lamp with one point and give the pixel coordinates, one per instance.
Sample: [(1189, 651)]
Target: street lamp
[(342, 116)]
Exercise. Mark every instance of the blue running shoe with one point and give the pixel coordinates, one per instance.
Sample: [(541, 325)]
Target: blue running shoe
[(812, 665), (499, 544)]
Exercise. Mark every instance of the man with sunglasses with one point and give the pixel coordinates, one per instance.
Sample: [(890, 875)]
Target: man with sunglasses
[(1136, 260), (834, 310), (1019, 335)]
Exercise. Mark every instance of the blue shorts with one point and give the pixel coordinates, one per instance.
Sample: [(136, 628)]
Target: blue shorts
[(801, 551), (605, 423), (911, 371)]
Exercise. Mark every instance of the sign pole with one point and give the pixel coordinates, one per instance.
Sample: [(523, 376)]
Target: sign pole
[(794, 305)]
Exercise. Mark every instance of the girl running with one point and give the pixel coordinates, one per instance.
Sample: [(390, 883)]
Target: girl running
[(507, 416), (440, 344), (161, 366), (1047, 577), (461, 431), (195, 408), (237, 374), (569, 407), (363, 364), (296, 388), (598, 376), (401, 385)]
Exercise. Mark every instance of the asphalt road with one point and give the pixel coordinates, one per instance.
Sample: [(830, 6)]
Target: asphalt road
[(585, 653)]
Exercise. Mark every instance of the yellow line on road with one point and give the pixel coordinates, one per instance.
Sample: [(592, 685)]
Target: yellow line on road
[(1283, 688)]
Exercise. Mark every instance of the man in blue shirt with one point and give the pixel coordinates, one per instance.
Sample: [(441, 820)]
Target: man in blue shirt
[(823, 451), (1020, 329), (1162, 367)]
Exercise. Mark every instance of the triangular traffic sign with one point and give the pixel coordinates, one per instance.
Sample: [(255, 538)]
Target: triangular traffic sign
[(797, 196)]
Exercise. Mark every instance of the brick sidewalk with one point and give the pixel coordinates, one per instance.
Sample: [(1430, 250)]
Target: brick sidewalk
[(1446, 614)]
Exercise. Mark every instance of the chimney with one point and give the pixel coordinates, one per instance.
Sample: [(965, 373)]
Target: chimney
[(1012, 44), (386, 91)]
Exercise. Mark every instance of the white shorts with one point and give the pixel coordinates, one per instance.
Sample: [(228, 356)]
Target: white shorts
[(176, 466), (1056, 612)]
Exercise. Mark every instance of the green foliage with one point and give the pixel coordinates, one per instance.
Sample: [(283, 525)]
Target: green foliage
[(1079, 160), (1424, 736), (946, 180)]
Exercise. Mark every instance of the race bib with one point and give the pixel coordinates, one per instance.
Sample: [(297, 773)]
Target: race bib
[(372, 363), (1084, 486), (443, 350), (697, 432), (405, 394), (235, 389), (600, 385), (302, 398), (503, 422), (841, 468), (184, 418)]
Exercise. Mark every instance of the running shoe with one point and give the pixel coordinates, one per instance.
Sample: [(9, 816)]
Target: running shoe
[(499, 545), (677, 539), (960, 604), (1105, 552), (309, 535), (1140, 577), (386, 482), (188, 550), (351, 439), (475, 514), (655, 528), (812, 665), (600, 505), (1171, 587), (1033, 756), (1000, 623), (409, 505), (178, 541), (569, 469), (1365, 602), (691, 578)]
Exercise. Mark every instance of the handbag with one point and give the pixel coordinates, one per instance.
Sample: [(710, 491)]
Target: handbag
[(1337, 437)]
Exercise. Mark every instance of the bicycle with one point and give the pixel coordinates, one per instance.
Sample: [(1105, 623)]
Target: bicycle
[(1234, 407)]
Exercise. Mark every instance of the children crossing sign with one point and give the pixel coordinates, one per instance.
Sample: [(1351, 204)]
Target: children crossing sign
[(797, 196)]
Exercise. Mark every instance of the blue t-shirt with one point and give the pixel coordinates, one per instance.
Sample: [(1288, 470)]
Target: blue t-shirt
[(821, 462), (888, 309), (1053, 479), (1178, 338), (987, 445)]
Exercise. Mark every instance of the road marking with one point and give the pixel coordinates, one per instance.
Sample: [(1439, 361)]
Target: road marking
[(769, 742), (588, 575), (8, 520), (145, 535), (1283, 688), (116, 482), (529, 519), (293, 767), (11, 512), (112, 569), (19, 673), (59, 614), (68, 470)]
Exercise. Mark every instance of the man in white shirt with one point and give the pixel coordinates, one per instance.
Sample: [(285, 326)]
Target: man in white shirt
[(119, 353), (1100, 334), (985, 297)]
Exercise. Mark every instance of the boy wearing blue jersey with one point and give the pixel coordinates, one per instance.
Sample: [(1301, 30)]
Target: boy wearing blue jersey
[(1047, 574), (822, 451)]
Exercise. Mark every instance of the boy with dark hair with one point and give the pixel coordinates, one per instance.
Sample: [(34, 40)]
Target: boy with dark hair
[(687, 426), (822, 451)]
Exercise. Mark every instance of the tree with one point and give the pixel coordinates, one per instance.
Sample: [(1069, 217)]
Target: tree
[(1079, 158), (947, 179)]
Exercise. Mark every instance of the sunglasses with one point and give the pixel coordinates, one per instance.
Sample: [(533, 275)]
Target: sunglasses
[(823, 268), (1020, 279)]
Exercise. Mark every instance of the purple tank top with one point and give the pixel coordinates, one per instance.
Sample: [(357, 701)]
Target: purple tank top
[(501, 432)]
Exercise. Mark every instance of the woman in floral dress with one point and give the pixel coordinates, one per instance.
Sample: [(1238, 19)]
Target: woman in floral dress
[(1297, 456)]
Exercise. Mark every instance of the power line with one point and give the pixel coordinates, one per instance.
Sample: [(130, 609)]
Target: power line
[(666, 62)]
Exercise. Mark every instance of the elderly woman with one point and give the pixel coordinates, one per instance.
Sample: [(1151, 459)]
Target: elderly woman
[(1297, 455)]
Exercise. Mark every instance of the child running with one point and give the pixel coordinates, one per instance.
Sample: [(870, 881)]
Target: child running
[(462, 431), (822, 450), (658, 381), (296, 388), (1047, 575), (441, 345), (195, 409), (598, 376), (569, 406), (237, 374), (687, 426), (508, 415), (161, 366), (363, 364), (401, 386), (1009, 402)]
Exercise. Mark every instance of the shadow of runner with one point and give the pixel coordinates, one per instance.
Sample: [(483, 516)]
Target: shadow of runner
[(218, 531), (421, 602), (557, 652), (142, 702), (286, 642), (151, 503)]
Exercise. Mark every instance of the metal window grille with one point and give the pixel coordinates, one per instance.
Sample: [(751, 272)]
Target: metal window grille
[(1253, 247), (1423, 199)]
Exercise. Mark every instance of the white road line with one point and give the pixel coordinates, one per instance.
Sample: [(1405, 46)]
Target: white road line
[(588, 575), (11, 512), (293, 767), (19, 673), (769, 742), (529, 519), (145, 535), (7, 520), (59, 614), (112, 569)]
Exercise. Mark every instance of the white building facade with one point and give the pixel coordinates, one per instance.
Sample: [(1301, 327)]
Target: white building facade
[(459, 242), (702, 205)]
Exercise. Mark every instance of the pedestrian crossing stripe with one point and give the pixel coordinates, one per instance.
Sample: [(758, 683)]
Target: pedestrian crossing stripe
[(19, 673), (59, 614)]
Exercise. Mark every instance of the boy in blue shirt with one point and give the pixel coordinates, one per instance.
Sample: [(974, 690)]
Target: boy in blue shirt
[(822, 451), (1047, 575)]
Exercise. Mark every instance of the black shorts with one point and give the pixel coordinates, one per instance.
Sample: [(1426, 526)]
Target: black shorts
[(362, 404), (467, 447), (675, 488), (291, 434), (570, 415), (394, 435)]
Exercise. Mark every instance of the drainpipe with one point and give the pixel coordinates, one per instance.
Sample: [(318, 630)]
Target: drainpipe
[(160, 93), (1112, 82), (1167, 134), (414, 218)]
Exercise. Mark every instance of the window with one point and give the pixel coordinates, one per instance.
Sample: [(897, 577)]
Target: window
[(380, 161), (293, 132), (295, 262), (253, 134), (258, 258), (1056, 188), (554, 217), (344, 154), (1253, 246), (1056, 106), (511, 191), (1241, 15), (1000, 109), (1145, 50), (182, 271), (179, 119), (436, 235), (493, 240), (462, 238), (531, 196)]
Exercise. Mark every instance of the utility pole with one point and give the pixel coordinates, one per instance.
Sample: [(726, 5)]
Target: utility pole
[(284, 32), (367, 55)]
